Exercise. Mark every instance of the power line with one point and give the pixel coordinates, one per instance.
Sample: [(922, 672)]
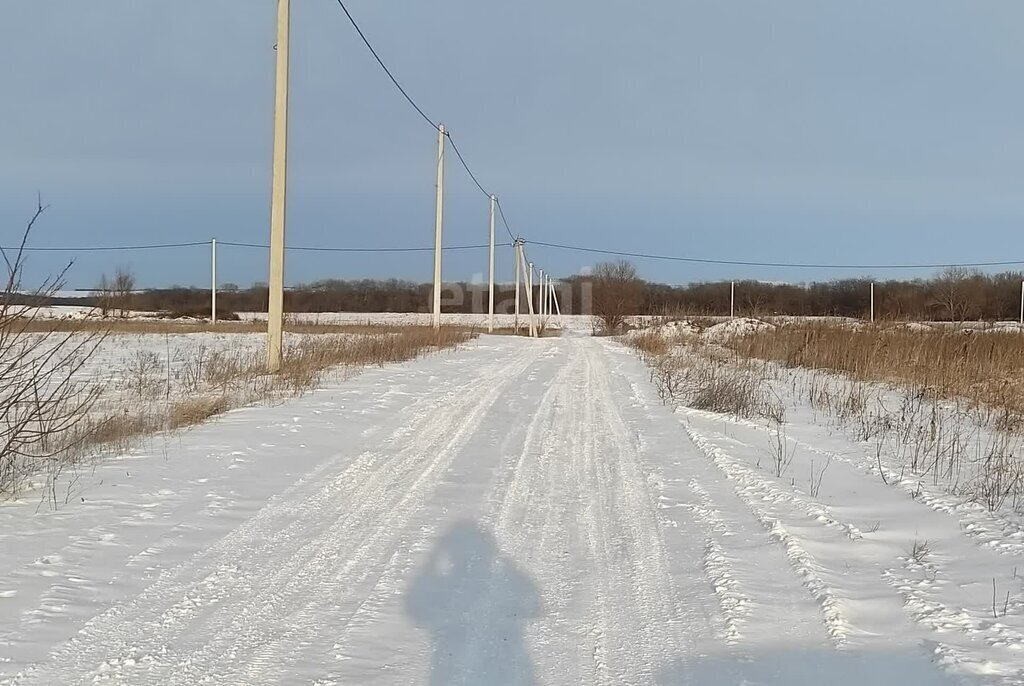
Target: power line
[(383, 66), (405, 94), (793, 265), (504, 221), (307, 248), (464, 165), (110, 248)]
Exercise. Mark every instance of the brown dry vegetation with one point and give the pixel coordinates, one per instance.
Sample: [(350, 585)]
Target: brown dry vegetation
[(941, 405), (212, 383), (985, 369)]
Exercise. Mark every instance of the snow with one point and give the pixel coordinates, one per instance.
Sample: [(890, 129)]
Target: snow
[(740, 326), (515, 512), (672, 331)]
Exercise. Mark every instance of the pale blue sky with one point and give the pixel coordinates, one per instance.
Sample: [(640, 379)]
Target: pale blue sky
[(808, 131)]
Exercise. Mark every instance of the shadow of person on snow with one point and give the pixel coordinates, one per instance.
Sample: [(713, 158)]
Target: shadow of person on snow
[(475, 602)]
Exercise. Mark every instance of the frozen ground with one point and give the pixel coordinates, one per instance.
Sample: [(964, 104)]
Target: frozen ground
[(517, 512)]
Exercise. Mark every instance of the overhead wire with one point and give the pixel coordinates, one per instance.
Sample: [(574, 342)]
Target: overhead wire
[(789, 265), (383, 66), (108, 248), (435, 125), (310, 248)]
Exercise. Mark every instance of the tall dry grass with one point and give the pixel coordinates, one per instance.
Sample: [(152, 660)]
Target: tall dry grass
[(986, 369), (152, 397), (947, 409)]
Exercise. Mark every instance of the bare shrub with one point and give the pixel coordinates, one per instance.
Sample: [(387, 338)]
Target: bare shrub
[(699, 376), (617, 293), (41, 400), (781, 453)]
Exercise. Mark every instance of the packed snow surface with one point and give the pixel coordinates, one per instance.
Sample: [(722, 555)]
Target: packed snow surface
[(515, 512)]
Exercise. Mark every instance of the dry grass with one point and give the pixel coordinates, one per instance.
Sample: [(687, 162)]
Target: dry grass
[(222, 380), (151, 399), (700, 376), (986, 369), (933, 405)]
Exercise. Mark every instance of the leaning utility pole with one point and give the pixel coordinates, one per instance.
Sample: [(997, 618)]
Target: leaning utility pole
[(490, 306), (528, 282), (437, 226), (275, 310), (540, 296)]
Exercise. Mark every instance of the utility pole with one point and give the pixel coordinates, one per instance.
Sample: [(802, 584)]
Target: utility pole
[(558, 309), (540, 296), (438, 222), (213, 280), (490, 305), (732, 301), (872, 302), (275, 309), (518, 256), (1022, 302), (528, 270)]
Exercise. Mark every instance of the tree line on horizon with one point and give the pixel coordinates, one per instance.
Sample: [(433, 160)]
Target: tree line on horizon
[(953, 295)]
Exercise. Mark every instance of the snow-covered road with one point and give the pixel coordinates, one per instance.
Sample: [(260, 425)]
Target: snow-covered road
[(516, 512)]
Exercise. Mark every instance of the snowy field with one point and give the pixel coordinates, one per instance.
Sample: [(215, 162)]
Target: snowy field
[(575, 323), (516, 512)]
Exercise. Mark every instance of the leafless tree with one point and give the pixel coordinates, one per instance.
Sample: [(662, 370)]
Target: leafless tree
[(953, 292), (617, 293), (42, 403), (115, 294)]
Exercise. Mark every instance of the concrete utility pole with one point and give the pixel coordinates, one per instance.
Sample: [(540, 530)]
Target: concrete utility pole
[(438, 222), (275, 310), (490, 305), (872, 302), (518, 257), (528, 270), (732, 300), (540, 296), (558, 309), (213, 280)]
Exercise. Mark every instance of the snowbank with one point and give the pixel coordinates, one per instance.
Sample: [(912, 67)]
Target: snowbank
[(669, 330), (735, 327)]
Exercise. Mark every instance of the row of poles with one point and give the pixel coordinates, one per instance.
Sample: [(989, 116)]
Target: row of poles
[(275, 318), (275, 313)]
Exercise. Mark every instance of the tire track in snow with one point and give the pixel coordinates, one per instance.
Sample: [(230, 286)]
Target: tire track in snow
[(750, 575), (641, 619), (400, 567), (755, 490), (260, 599), (346, 558)]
